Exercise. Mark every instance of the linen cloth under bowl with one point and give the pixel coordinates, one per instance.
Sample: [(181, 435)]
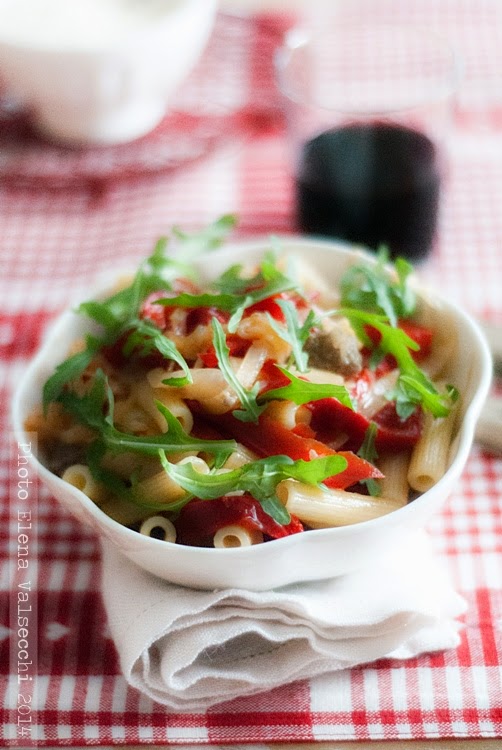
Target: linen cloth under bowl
[(190, 649)]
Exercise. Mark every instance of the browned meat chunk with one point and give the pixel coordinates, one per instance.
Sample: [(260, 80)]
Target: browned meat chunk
[(335, 347)]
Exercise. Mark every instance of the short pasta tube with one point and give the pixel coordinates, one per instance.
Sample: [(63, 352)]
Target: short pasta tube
[(234, 535), (288, 413), (257, 327), (79, 476), (191, 344), (159, 527), (176, 406), (131, 417)]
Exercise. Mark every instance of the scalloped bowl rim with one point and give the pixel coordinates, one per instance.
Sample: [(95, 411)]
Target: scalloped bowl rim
[(208, 568)]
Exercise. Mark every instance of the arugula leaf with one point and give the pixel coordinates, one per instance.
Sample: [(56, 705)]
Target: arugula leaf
[(259, 478), (369, 452), (303, 391), (237, 292), (373, 288), (409, 391), (95, 409), (103, 313), (275, 509), (294, 333), (159, 269), (208, 238), (235, 304), (185, 299), (119, 311), (168, 442), (231, 281), (67, 371), (316, 470), (275, 282), (112, 481), (154, 274), (146, 338), (126, 490), (112, 314), (250, 410), (414, 387), (221, 449)]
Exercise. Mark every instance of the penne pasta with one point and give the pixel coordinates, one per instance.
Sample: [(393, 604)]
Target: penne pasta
[(50, 425), (190, 345), (123, 511), (288, 414), (429, 459), (444, 343), (127, 463), (239, 457), (283, 412), (252, 362), (158, 489), (394, 467), (145, 396), (317, 375), (324, 509)]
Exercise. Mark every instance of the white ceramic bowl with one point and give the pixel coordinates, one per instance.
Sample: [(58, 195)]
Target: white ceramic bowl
[(307, 556), (99, 71)]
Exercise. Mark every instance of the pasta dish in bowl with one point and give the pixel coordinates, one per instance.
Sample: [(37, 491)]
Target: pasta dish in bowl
[(266, 413)]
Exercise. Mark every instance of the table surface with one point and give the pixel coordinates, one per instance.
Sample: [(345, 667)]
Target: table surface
[(55, 237)]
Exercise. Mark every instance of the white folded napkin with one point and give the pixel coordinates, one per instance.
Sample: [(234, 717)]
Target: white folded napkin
[(190, 649)]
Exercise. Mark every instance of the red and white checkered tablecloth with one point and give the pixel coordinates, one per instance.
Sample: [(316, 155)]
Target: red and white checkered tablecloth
[(54, 239)]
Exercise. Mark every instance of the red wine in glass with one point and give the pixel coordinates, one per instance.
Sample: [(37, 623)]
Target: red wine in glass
[(373, 184)]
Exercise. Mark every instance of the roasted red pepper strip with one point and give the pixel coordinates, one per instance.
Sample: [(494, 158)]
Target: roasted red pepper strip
[(395, 434), (158, 313), (421, 335), (199, 520), (331, 419), (268, 437), (154, 312), (270, 305), (202, 316), (271, 377), (237, 348)]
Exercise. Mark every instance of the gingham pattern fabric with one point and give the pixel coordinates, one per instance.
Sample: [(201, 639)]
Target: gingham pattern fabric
[(52, 243)]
